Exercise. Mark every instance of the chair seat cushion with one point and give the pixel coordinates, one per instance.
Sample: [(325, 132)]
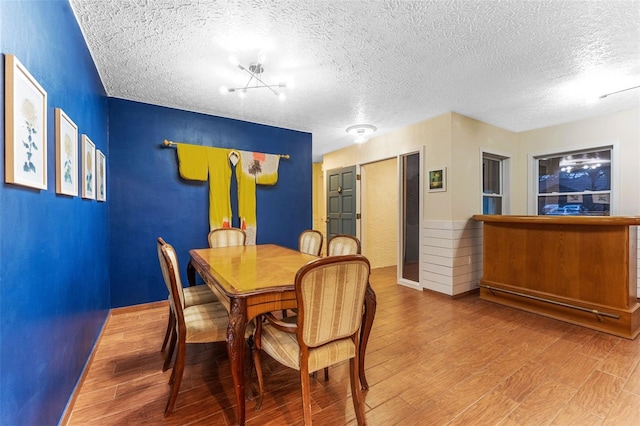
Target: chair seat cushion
[(198, 295), (283, 347), (208, 323)]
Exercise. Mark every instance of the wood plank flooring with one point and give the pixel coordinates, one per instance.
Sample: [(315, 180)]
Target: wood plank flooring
[(431, 360)]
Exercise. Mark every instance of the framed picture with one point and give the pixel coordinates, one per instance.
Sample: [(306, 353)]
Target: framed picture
[(66, 155), (101, 183), (88, 168), (25, 127), (438, 179)]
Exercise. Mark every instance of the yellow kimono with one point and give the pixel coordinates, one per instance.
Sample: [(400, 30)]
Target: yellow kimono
[(198, 162)]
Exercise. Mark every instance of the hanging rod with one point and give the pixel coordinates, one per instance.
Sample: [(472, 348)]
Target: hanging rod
[(169, 143), (597, 313)]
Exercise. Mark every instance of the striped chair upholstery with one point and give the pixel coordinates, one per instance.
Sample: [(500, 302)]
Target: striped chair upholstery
[(192, 296), (310, 242), (343, 244), (330, 294), (193, 324), (227, 237)]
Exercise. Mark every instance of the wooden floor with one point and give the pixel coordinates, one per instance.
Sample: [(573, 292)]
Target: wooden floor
[(431, 361)]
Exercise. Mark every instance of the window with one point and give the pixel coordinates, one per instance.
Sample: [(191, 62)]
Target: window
[(575, 183), (492, 184)]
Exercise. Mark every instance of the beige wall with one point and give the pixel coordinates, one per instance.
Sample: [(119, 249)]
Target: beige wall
[(469, 138), (379, 193), (451, 244), (434, 134), (455, 141), (622, 130)]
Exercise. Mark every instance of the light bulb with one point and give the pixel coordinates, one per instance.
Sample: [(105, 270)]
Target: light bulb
[(242, 93), (282, 96), (224, 90)]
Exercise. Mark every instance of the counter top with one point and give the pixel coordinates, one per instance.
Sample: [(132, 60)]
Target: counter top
[(567, 220)]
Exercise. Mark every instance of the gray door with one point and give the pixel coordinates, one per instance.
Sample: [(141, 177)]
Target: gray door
[(341, 201)]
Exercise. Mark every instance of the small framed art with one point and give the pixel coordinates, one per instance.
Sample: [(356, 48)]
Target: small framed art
[(66, 154), (101, 182), (438, 179), (25, 127), (88, 168)]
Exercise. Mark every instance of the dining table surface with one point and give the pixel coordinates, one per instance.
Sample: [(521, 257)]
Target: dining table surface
[(256, 279)]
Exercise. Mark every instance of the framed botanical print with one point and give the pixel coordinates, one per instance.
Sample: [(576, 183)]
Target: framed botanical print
[(88, 168), (25, 127), (66, 154), (101, 182)]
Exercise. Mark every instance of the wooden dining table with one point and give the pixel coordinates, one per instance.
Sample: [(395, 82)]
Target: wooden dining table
[(253, 280)]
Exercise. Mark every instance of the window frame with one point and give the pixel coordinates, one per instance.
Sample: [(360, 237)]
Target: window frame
[(505, 179), (534, 193)]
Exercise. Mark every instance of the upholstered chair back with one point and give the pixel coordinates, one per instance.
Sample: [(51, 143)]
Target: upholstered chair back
[(331, 298), (227, 237), (310, 242), (343, 244)]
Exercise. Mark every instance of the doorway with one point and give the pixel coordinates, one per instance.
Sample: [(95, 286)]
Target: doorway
[(378, 205)]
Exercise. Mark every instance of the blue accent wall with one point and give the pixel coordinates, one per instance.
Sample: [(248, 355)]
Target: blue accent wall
[(54, 266), (148, 198), (65, 261)]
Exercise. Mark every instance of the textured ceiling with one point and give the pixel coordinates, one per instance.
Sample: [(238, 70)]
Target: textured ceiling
[(519, 65)]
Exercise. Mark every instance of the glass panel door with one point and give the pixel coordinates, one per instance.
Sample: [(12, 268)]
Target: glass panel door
[(410, 217)]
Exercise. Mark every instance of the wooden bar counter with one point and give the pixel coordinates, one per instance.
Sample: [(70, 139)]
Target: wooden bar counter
[(579, 269)]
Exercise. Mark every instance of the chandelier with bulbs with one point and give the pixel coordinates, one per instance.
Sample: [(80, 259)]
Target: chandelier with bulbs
[(255, 81)]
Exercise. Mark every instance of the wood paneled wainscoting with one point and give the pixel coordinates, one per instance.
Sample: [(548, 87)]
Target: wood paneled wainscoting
[(580, 269)]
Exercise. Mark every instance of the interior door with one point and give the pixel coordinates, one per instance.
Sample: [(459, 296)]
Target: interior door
[(411, 212), (341, 201)]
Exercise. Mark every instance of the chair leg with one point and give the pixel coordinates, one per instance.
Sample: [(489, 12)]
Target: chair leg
[(169, 354), (356, 395), (176, 376), (256, 361), (306, 393), (326, 374), (167, 334)]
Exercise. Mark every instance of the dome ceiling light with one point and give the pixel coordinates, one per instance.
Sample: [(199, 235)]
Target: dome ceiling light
[(361, 132)]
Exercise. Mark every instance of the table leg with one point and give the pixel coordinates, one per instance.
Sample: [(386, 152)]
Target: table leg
[(191, 274), (370, 304), (235, 348)]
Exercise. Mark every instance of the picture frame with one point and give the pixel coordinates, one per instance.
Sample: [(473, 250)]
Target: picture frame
[(88, 168), (437, 179), (101, 176), (25, 127), (66, 154)]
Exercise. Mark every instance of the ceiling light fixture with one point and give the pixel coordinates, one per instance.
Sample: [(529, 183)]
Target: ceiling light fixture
[(361, 131), (619, 91), (255, 71)]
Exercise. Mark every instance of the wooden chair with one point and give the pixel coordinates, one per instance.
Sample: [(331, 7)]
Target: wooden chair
[(227, 237), (326, 332), (193, 324), (343, 244), (310, 242), (196, 295)]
